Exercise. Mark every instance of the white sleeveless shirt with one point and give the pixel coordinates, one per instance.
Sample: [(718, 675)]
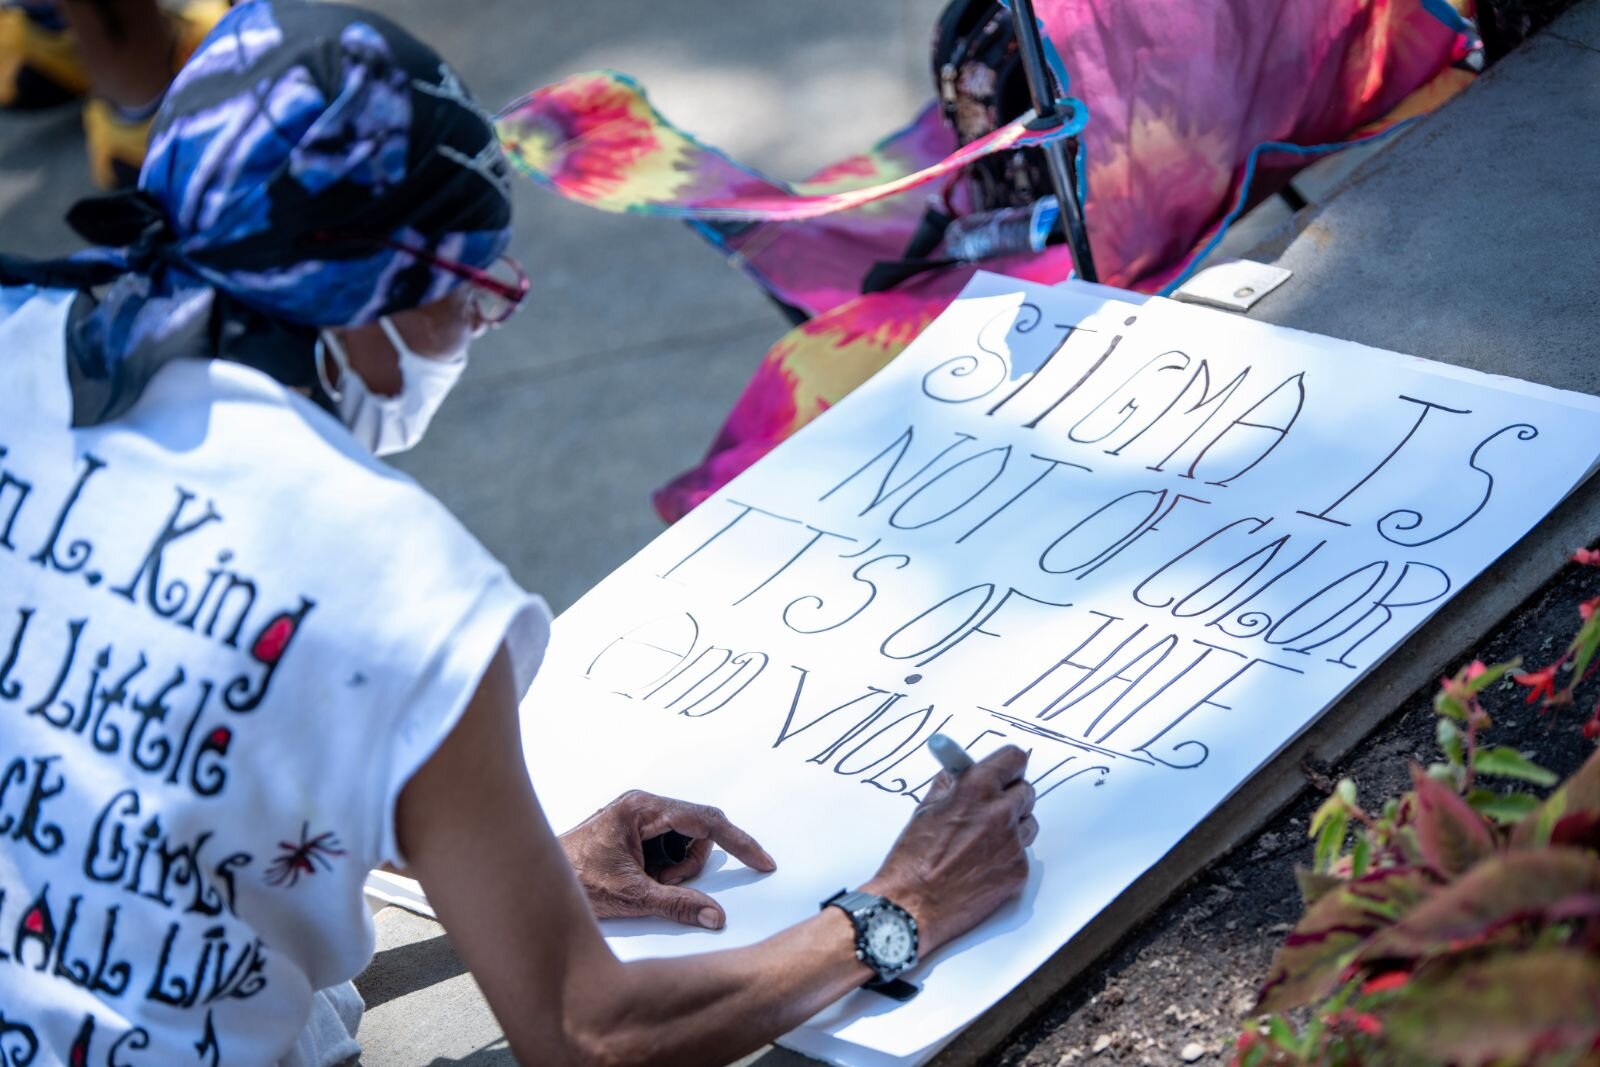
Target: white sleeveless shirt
[(228, 637)]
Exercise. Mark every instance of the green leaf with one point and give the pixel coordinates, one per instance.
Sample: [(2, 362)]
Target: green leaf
[(1283, 1034), (1535, 830), (1507, 809), (1404, 842), (1346, 791), (1584, 645), (1533, 1007), (1360, 857), (1330, 839), (1492, 675), (1580, 793), (1512, 886), (1311, 1039), (1451, 835), (1449, 735), (1503, 762), (1308, 964), (1325, 811), (1447, 705), (1346, 993), (1583, 788)]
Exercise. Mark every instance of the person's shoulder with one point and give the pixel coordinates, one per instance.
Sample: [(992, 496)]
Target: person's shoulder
[(254, 421), (13, 297), (24, 301), (249, 430)]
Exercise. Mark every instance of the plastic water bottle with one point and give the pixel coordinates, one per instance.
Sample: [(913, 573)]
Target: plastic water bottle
[(1008, 231)]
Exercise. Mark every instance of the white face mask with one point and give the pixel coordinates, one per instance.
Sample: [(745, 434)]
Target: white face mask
[(390, 424)]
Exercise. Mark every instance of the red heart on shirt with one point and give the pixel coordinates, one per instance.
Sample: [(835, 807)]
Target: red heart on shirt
[(273, 640)]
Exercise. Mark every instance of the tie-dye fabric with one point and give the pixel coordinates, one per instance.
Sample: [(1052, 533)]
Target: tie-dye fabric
[(557, 136), (297, 147), (1178, 97)]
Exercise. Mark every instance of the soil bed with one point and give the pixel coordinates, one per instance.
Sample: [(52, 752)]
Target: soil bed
[(1176, 988)]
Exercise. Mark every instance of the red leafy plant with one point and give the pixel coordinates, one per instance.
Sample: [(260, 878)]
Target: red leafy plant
[(1577, 662), (1460, 923)]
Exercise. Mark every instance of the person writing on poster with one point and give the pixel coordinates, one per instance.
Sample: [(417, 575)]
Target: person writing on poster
[(243, 661)]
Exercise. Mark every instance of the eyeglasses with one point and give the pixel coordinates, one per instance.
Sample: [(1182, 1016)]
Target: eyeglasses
[(497, 290)]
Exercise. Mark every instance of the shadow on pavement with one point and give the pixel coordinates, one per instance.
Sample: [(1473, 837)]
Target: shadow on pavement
[(489, 1056), (400, 971), (483, 1057)]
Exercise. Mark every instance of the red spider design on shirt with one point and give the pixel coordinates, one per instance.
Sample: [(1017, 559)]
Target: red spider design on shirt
[(303, 858)]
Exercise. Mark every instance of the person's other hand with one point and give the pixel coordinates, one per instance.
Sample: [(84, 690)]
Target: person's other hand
[(606, 851), (963, 854)]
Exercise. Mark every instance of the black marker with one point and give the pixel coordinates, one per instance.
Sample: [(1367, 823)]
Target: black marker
[(665, 850)]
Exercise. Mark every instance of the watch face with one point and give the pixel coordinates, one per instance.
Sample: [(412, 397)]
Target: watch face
[(888, 938)]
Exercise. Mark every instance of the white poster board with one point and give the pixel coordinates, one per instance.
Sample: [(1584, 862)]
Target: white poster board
[(1149, 542)]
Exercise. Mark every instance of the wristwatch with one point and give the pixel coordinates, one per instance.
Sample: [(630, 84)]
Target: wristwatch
[(886, 940)]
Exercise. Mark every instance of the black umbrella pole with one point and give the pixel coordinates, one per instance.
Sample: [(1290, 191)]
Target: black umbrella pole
[(1064, 177), (1060, 165)]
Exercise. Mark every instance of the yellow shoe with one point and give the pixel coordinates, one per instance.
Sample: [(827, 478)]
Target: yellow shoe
[(38, 63), (116, 143), (192, 21)]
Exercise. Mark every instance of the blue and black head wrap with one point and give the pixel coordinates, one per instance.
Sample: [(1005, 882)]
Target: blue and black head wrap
[(296, 153)]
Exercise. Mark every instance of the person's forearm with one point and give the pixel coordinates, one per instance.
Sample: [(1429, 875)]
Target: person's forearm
[(714, 1008)]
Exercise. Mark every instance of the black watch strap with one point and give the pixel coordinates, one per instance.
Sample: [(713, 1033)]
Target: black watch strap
[(849, 901), (897, 989)]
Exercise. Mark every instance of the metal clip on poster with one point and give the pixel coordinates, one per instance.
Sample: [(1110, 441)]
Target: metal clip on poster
[(1061, 162)]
